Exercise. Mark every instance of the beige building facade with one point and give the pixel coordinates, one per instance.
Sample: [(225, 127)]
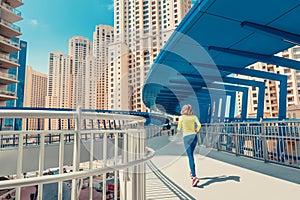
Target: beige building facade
[(59, 85), (35, 92), (102, 37), (8, 30), (59, 82), (80, 49), (141, 28)]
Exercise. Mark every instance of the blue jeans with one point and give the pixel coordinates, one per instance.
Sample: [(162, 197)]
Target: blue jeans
[(190, 142)]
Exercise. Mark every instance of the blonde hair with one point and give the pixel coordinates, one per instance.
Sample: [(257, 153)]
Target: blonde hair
[(187, 110)]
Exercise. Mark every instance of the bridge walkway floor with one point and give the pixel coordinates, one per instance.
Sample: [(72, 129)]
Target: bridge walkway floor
[(222, 175)]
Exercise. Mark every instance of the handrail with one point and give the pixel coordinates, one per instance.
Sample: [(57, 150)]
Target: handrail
[(73, 175), (9, 41), (271, 141), (13, 10), (7, 75), (12, 113), (124, 134), (6, 57), (13, 26), (5, 92)]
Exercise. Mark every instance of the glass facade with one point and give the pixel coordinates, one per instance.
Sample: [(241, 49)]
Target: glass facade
[(18, 88)]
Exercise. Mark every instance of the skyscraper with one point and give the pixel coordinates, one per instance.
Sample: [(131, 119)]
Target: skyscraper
[(80, 48), (9, 46), (34, 95), (58, 86), (59, 81), (103, 35), (91, 81), (141, 29), (17, 88), (19, 72)]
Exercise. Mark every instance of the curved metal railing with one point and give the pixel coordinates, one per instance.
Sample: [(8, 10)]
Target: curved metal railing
[(270, 141), (115, 141)]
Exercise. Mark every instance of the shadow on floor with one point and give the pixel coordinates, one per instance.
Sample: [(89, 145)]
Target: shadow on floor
[(217, 179)]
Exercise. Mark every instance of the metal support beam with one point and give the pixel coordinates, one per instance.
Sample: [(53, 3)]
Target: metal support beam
[(280, 61), (231, 88), (284, 35), (232, 105), (216, 109), (261, 92), (259, 74), (223, 108), (203, 118)]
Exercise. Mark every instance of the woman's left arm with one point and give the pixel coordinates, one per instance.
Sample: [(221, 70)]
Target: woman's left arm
[(198, 124)]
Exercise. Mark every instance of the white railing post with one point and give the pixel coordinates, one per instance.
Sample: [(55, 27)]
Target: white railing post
[(19, 164), (116, 185), (134, 179), (104, 165), (61, 164), (91, 165), (124, 173), (141, 173), (76, 151), (41, 164)]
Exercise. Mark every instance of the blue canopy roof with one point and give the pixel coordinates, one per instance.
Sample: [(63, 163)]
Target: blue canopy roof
[(215, 38)]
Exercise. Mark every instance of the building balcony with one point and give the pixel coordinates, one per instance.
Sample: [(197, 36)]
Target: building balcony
[(7, 95), (6, 78), (8, 29), (9, 13), (8, 45), (7, 63), (14, 3)]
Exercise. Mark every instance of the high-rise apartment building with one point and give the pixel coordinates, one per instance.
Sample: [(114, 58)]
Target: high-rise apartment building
[(59, 85), (17, 88), (141, 28), (103, 35), (34, 95), (9, 44), (91, 81), (59, 81), (272, 88), (19, 72), (80, 48)]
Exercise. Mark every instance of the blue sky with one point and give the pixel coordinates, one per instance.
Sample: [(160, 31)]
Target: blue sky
[(48, 25)]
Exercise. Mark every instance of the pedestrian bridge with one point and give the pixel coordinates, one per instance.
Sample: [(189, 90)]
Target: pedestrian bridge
[(79, 154), (133, 161), (222, 175)]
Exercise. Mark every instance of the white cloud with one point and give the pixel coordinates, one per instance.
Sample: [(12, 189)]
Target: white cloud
[(34, 22), (111, 6)]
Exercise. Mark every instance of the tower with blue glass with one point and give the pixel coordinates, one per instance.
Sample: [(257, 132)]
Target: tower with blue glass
[(18, 88)]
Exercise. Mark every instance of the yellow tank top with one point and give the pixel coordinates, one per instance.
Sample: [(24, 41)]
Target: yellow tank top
[(187, 124)]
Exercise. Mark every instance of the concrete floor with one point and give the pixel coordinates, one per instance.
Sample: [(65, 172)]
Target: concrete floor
[(168, 176)]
